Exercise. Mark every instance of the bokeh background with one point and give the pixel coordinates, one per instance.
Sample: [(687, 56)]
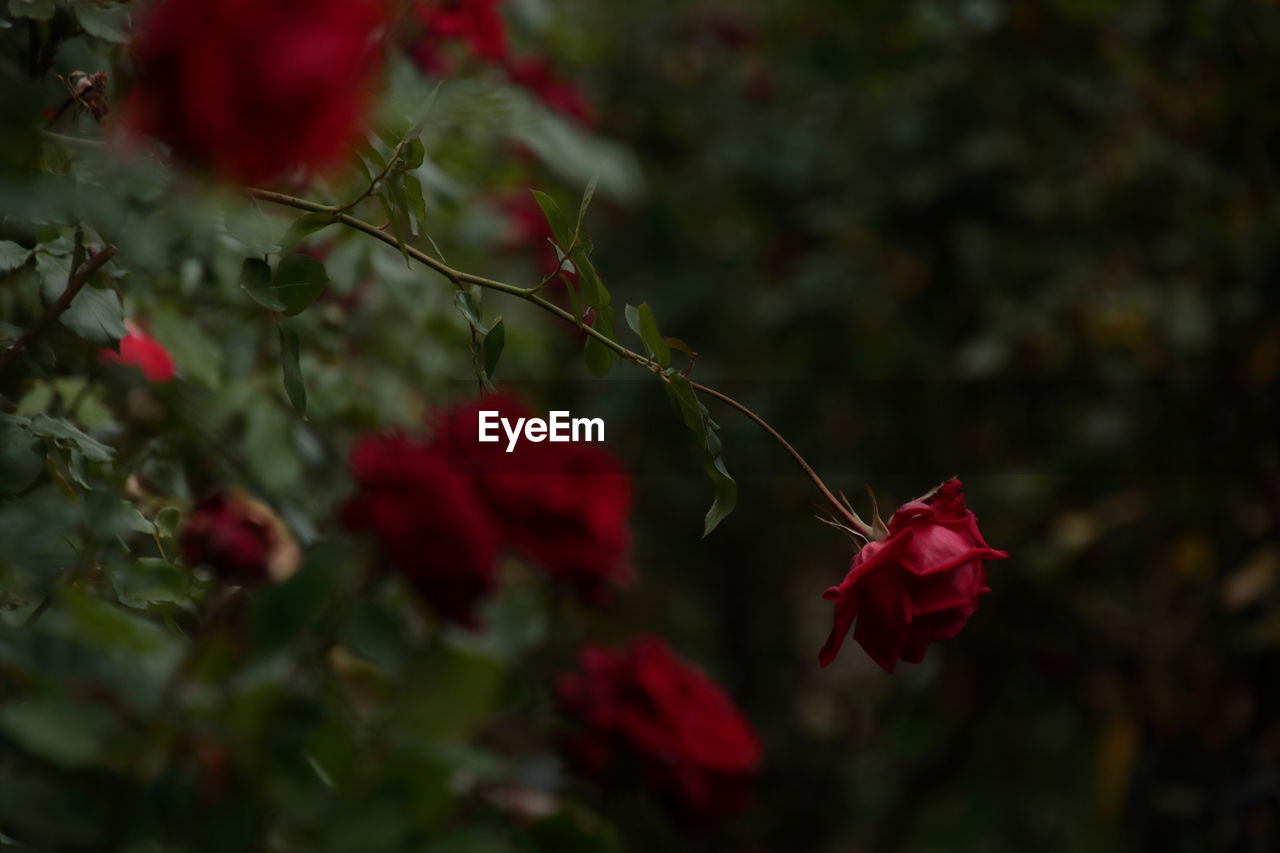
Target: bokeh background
[(1035, 245)]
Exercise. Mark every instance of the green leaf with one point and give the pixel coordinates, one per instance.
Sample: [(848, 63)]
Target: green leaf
[(587, 195), (494, 341), (726, 495), (469, 308), (196, 355), (394, 217), (376, 162), (598, 356), (699, 422), (281, 610), (39, 10), (575, 301), (686, 402), (168, 520), (54, 270), (594, 293), (652, 338), (255, 278), (95, 315), (303, 227), (420, 123), (65, 434), (128, 516), (299, 281), (74, 734), (416, 154), (474, 839), (417, 204), (403, 208), (40, 805), (12, 255), (555, 217), (471, 681), (113, 628), (155, 580), (293, 384), (21, 458), (109, 23), (270, 447), (677, 344), (573, 829)]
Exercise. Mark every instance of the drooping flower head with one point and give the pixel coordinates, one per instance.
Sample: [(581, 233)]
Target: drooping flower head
[(643, 708), (918, 584), (255, 89)]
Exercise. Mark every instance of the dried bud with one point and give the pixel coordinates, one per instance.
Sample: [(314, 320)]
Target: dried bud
[(239, 538)]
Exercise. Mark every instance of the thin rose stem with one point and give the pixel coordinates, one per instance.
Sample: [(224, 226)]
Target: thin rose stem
[(529, 294), (845, 514)]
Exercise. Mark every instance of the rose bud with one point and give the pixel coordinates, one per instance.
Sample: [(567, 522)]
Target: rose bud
[(239, 538), (137, 349), (917, 583)]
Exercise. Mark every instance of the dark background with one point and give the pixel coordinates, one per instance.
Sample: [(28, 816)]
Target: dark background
[(1030, 244), (1035, 245)]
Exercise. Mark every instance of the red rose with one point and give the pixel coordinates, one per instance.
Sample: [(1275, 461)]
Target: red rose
[(256, 88), (918, 584), (239, 538), (475, 22), (428, 523), (563, 506), (143, 352), (536, 74), (677, 727)]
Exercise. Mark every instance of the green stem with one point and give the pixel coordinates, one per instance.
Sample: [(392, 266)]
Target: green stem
[(530, 294)]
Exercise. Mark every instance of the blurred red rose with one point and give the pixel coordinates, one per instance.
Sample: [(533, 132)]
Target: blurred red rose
[(677, 727), (564, 506), (477, 23), (143, 352), (918, 584), (256, 88), (537, 75), (240, 538), (429, 524)]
